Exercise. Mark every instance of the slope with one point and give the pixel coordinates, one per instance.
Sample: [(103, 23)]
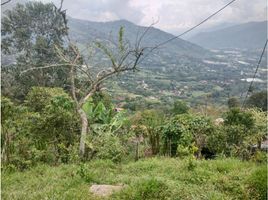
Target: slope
[(244, 36)]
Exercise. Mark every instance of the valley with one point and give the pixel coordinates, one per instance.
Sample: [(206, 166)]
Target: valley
[(177, 70)]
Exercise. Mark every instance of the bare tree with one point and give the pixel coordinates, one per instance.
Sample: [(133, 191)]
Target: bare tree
[(122, 58), (125, 59)]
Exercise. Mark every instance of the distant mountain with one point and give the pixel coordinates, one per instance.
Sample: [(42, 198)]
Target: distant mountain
[(250, 35), (200, 29), (84, 31)]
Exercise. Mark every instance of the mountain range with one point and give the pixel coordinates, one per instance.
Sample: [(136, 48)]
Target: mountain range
[(250, 35), (84, 32)]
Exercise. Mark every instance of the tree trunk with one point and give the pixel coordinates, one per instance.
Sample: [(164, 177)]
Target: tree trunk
[(84, 123)]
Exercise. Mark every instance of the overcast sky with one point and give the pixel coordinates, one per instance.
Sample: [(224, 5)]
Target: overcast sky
[(173, 15)]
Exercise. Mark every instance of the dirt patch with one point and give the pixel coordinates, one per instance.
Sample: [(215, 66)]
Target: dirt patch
[(105, 190)]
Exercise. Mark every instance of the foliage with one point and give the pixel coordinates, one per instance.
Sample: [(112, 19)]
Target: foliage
[(260, 125), (107, 126), (31, 32), (147, 124), (44, 131), (172, 131), (180, 107), (233, 102), (106, 146), (39, 97), (260, 157), (217, 142), (98, 113), (17, 148), (188, 131), (186, 151), (258, 100), (240, 132), (237, 117)]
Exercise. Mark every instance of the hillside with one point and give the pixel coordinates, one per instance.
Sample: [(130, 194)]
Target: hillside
[(246, 36), (178, 70), (84, 32)]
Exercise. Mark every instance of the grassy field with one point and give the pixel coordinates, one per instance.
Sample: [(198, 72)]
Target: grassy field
[(155, 178)]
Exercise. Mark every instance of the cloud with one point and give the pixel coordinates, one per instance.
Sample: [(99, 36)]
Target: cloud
[(174, 15), (179, 15), (102, 10)]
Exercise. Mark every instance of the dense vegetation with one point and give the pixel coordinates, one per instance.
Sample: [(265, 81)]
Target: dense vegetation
[(197, 153)]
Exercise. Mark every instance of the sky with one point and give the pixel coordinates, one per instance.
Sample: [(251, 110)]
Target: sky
[(171, 16)]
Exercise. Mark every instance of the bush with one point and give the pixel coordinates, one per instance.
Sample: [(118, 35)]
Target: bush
[(146, 124), (44, 131), (258, 100), (186, 130), (237, 117), (39, 97), (183, 151), (240, 132), (257, 184), (180, 107), (107, 146)]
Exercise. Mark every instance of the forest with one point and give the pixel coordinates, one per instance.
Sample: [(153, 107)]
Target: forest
[(62, 131)]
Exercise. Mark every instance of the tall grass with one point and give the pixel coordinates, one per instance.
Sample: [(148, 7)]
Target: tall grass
[(155, 178)]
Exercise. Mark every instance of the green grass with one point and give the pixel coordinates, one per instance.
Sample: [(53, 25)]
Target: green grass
[(156, 178)]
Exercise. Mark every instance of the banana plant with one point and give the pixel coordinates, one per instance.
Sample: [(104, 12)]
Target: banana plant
[(102, 119)]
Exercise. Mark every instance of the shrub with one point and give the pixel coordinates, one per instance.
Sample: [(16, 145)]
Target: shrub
[(183, 151), (147, 124), (39, 97), (237, 117), (258, 100), (107, 146), (186, 130), (44, 131), (180, 107)]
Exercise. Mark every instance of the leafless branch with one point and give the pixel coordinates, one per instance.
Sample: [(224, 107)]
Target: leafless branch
[(61, 3), (46, 67)]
